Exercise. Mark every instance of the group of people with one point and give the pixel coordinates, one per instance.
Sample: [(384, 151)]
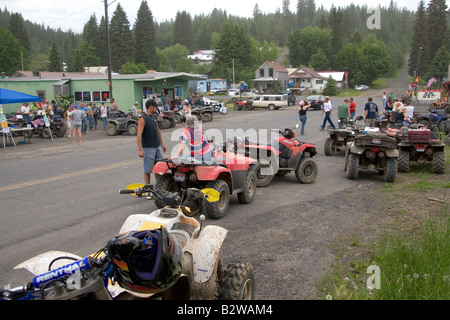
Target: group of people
[(79, 118), (43, 107), (347, 110)]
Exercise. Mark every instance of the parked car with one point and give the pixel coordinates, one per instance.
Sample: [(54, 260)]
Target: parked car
[(233, 92), (361, 87), (316, 101), (247, 95), (290, 96)]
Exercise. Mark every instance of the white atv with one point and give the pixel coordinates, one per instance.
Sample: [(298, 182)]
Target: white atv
[(203, 276)]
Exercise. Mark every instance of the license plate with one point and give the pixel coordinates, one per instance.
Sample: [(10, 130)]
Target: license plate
[(370, 154), (341, 137), (376, 141), (179, 177)]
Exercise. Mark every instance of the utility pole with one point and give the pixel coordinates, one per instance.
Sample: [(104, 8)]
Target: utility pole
[(108, 49)]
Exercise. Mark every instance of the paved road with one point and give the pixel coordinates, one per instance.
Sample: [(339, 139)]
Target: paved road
[(55, 196)]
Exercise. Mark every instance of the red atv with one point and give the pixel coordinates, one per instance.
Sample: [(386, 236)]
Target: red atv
[(283, 155), (230, 174)]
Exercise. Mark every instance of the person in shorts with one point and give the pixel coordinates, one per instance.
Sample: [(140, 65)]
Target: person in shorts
[(149, 141), (77, 117)]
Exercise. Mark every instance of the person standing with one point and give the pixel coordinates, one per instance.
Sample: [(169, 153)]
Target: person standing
[(104, 115), (84, 124), (68, 120), (134, 110), (95, 109), (371, 113), (384, 99), (77, 117), (149, 141), (302, 108), (352, 109), (91, 116), (343, 114), (327, 108)]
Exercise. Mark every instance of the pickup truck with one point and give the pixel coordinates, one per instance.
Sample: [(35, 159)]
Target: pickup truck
[(272, 101)]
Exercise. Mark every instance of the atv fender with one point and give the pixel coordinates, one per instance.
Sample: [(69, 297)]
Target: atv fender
[(392, 153), (160, 168), (205, 252), (210, 173), (39, 264), (357, 149), (269, 166)]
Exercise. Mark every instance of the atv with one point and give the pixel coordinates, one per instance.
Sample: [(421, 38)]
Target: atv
[(420, 146), (229, 174), (373, 152), (120, 122), (340, 137), (204, 114), (283, 155), (434, 118)]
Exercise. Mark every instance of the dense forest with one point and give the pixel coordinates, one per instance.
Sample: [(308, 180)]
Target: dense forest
[(368, 42)]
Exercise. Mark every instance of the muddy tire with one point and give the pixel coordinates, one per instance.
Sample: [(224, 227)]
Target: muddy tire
[(165, 183), (238, 282), (132, 129), (439, 162), (111, 130), (249, 187), (217, 209), (391, 170), (351, 170), (262, 180), (403, 161), (307, 171), (329, 147), (45, 133), (207, 117)]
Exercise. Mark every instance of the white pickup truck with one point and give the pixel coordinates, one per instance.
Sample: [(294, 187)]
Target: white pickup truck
[(271, 101)]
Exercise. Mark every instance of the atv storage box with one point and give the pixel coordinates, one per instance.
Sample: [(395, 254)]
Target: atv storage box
[(376, 139)]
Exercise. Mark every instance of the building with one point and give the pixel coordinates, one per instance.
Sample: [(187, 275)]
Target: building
[(268, 74), (341, 78), (208, 85), (202, 56), (93, 87), (306, 79)]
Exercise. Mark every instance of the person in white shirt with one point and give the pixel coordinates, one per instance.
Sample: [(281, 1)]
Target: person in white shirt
[(327, 107), (134, 110), (104, 115)]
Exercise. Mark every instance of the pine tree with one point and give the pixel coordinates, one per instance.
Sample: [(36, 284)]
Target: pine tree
[(55, 64), (182, 33), (419, 40), (145, 38), (436, 26), (18, 30), (121, 40), (439, 66)]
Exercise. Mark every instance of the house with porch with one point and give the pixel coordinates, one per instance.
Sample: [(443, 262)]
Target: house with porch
[(268, 74)]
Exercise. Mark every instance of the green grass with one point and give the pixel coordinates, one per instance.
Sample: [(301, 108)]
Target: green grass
[(412, 252)]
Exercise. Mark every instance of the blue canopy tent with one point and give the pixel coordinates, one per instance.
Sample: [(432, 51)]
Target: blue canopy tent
[(11, 96)]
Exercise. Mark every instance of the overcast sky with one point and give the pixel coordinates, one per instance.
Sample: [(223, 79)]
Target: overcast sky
[(74, 14)]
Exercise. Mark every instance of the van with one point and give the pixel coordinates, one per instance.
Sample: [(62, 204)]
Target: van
[(233, 92), (271, 101)]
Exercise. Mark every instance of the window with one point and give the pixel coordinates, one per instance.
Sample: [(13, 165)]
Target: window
[(96, 96), (270, 72), (147, 92), (88, 96), (261, 73), (41, 94), (319, 81), (178, 92)]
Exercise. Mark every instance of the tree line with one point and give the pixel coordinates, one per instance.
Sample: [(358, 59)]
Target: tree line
[(335, 39)]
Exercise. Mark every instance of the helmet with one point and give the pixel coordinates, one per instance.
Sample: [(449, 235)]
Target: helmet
[(289, 134), (148, 261)]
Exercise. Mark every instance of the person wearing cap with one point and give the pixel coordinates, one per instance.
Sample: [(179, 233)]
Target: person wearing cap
[(149, 141), (343, 113), (77, 117), (134, 110), (327, 107)]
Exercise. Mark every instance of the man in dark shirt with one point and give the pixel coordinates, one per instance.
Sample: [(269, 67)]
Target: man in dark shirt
[(149, 141), (371, 113)]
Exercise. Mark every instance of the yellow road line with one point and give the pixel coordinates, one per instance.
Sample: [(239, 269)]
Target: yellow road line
[(65, 176)]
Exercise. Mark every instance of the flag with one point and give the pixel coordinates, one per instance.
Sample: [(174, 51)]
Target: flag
[(430, 82), (417, 79)]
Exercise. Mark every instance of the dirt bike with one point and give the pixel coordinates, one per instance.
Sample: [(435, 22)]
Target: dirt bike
[(92, 277), (419, 145), (372, 151), (282, 156), (340, 137), (228, 173)]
